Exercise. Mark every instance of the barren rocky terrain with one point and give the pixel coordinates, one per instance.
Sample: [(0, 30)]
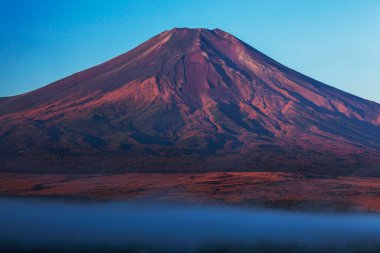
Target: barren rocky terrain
[(190, 100)]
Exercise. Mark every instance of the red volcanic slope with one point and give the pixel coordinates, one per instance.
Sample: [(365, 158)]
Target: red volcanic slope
[(190, 99)]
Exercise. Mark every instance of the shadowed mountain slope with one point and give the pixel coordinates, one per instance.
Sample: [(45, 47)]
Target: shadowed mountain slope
[(190, 100)]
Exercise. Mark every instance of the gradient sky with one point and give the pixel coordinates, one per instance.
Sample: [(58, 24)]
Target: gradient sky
[(334, 41)]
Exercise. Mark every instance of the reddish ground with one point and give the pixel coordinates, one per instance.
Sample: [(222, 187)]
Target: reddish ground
[(282, 190)]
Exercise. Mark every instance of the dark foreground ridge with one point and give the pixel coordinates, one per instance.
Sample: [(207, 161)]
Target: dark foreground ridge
[(190, 100), (135, 227)]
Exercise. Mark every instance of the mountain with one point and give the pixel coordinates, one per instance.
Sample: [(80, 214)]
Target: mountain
[(190, 100)]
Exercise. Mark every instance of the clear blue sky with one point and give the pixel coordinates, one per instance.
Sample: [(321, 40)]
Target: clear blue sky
[(334, 41)]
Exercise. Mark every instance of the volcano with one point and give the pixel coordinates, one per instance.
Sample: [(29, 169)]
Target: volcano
[(190, 100)]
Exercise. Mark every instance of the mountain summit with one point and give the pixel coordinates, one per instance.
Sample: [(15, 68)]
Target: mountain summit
[(190, 99)]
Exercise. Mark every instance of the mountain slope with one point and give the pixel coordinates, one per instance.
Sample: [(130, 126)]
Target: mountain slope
[(190, 99)]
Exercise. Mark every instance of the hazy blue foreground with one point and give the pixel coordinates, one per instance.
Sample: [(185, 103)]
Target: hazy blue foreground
[(77, 226)]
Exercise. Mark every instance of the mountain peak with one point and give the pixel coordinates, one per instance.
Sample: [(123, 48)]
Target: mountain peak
[(195, 29), (188, 33)]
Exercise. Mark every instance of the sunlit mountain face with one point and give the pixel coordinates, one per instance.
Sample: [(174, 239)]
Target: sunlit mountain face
[(190, 100)]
